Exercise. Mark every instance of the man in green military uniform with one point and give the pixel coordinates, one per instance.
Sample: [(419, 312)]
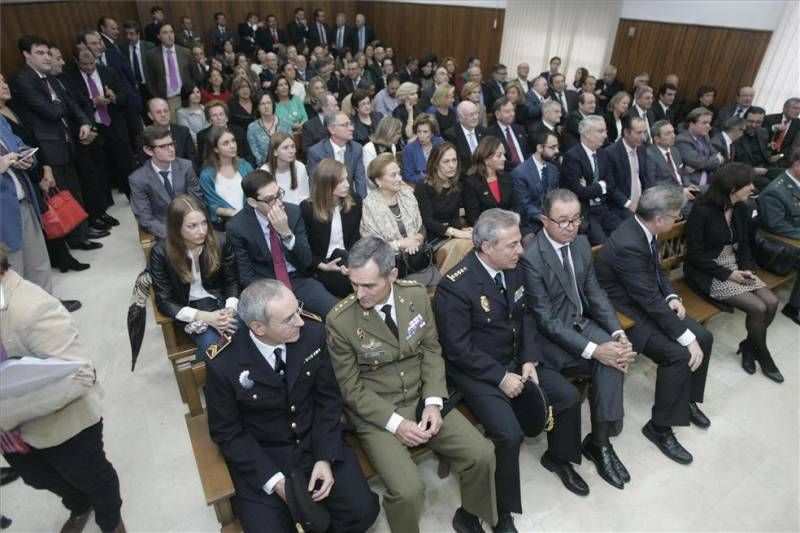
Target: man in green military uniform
[(779, 207), (386, 356)]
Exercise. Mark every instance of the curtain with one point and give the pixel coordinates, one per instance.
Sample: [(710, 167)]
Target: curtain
[(580, 32), (778, 77)]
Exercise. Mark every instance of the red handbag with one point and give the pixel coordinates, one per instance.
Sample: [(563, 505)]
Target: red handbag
[(63, 215)]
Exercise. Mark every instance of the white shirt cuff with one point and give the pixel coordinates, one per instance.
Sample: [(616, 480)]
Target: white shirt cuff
[(672, 296), (588, 352), (504, 378), (232, 302), (186, 314), (686, 338), (618, 332), (434, 400), (289, 243), (602, 186), (393, 423), (269, 486), (627, 203)]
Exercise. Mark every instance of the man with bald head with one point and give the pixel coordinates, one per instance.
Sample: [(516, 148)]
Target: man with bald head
[(466, 135), (158, 113), (744, 100), (535, 97), (523, 70)]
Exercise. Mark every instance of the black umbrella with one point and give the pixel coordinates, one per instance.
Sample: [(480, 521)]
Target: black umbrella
[(137, 314)]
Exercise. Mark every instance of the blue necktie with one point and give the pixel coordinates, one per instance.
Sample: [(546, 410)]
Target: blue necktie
[(657, 264)]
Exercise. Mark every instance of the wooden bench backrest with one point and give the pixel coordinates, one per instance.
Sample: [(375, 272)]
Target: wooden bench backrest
[(672, 247), (191, 378)]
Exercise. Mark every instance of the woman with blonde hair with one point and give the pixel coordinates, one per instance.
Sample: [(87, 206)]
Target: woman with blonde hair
[(442, 106), (472, 92), (316, 88), (407, 109), (332, 216), (384, 140), (195, 279), (290, 174)]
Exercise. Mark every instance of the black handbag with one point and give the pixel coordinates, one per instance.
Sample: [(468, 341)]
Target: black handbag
[(775, 256), (410, 263)]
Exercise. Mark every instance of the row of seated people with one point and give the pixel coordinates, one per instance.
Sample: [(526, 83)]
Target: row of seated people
[(508, 319)]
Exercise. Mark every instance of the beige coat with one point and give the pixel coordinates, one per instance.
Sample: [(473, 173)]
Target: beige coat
[(34, 323), (377, 219)]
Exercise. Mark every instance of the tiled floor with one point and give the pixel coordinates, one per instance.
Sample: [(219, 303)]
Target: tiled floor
[(744, 477)]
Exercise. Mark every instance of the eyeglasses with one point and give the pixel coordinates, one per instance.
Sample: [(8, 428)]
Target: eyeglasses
[(269, 200), (167, 145), (345, 125), (297, 313), (564, 224)]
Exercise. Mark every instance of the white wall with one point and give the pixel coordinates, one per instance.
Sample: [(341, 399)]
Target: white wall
[(745, 14)]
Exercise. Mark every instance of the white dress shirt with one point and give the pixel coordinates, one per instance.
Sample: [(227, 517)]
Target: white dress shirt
[(589, 154), (337, 232)]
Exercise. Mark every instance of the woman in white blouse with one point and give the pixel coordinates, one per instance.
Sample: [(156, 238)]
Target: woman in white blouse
[(332, 218), (192, 114), (221, 177), (290, 174), (383, 141), (195, 280)]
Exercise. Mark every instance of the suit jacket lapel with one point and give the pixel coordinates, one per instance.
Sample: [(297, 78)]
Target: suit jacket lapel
[(488, 287), (295, 356), (554, 262), (251, 360), (158, 183)]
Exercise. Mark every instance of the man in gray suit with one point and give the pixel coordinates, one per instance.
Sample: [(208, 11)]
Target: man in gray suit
[(665, 165), (159, 180), (696, 149), (341, 147), (732, 131), (314, 129), (580, 335), (168, 69)]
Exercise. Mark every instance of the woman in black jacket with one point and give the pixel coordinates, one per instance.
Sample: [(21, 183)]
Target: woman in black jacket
[(195, 280), (332, 217), (719, 263), (488, 185)]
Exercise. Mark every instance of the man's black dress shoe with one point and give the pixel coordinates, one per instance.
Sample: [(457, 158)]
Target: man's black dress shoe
[(464, 522), (87, 245), (7, 475), (601, 457), (792, 312), (622, 472), (71, 305), (99, 224), (73, 264), (748, 356), (569, 477), (108, 219), (505, 524), (698, 417), (92, 233), (667, 443)]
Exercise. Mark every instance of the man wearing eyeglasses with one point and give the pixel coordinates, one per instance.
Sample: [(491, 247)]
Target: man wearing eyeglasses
[(159, 180), (580, 335), (341, 147), (274, 409), (269, 238)]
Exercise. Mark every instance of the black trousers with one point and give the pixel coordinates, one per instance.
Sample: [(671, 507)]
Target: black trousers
[(93, 162), (602, 221), (313, 294), (506, 422), (119, 154), (676, 384), (76, 470), (352, 506), (335, 282)]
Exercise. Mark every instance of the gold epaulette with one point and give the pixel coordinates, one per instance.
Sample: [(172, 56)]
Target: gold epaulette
[(453, 276), (344, 304), (214, 350), (309, 315), (408, 282)]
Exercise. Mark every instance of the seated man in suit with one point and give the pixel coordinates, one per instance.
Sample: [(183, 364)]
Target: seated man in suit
[(341, 147), (566, 97), (587, 103), (512, 135), (779, 206), (753, 148), (642, 108), (535, 97), (185, 36), (732, 130), (387, 359), (555, 64), (580, 335), (466, 134), (162, 177), (353, 81), (696, 149), (608, 86), (488, 339), (784, 128), (663, 108), (744, 100), (158, 113), (314, 129), (627, 161), (217, 115), (385, 101), (495, 87), (270, 241), (534, 178), (586, 173), (551, 121), (665, 165), (628, 269), (296, 426)]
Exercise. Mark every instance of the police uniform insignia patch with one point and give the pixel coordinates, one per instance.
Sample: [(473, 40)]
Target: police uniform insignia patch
[(453, 276), (485, 304), (214, 350), (309, 315)]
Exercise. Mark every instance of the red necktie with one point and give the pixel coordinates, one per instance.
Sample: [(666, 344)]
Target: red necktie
[(274, 36), (732, 152), (512, 147), (779, 139), (278, 261)]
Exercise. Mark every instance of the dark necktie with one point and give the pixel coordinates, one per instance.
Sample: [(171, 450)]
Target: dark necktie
[(136, 70), (732, 152), (278, 261), (498, 280), (671, 168), (512, 147), (571, 277), (656, 262), (596, 169), (280, 364), (545, 179), (387, 312), (167, 183)]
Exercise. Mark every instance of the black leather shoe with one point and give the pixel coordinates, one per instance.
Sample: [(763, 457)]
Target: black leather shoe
[(668, 444), (73, 264), (622, 472), (99, 224), (71, 305), (601, 457), (505, 524), (7, 475), (87, 245), (569, 477), (768, 366), (92, 233), (76, 523), (108, 219), (464, 522), (792, 312), (748, 356), (698, 417)]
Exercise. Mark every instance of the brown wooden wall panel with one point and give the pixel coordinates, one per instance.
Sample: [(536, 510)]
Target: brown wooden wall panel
[(726, 58), (59, 22)]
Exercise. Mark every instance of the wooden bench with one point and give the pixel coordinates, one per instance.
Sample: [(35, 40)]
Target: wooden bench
[(147, 241)]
